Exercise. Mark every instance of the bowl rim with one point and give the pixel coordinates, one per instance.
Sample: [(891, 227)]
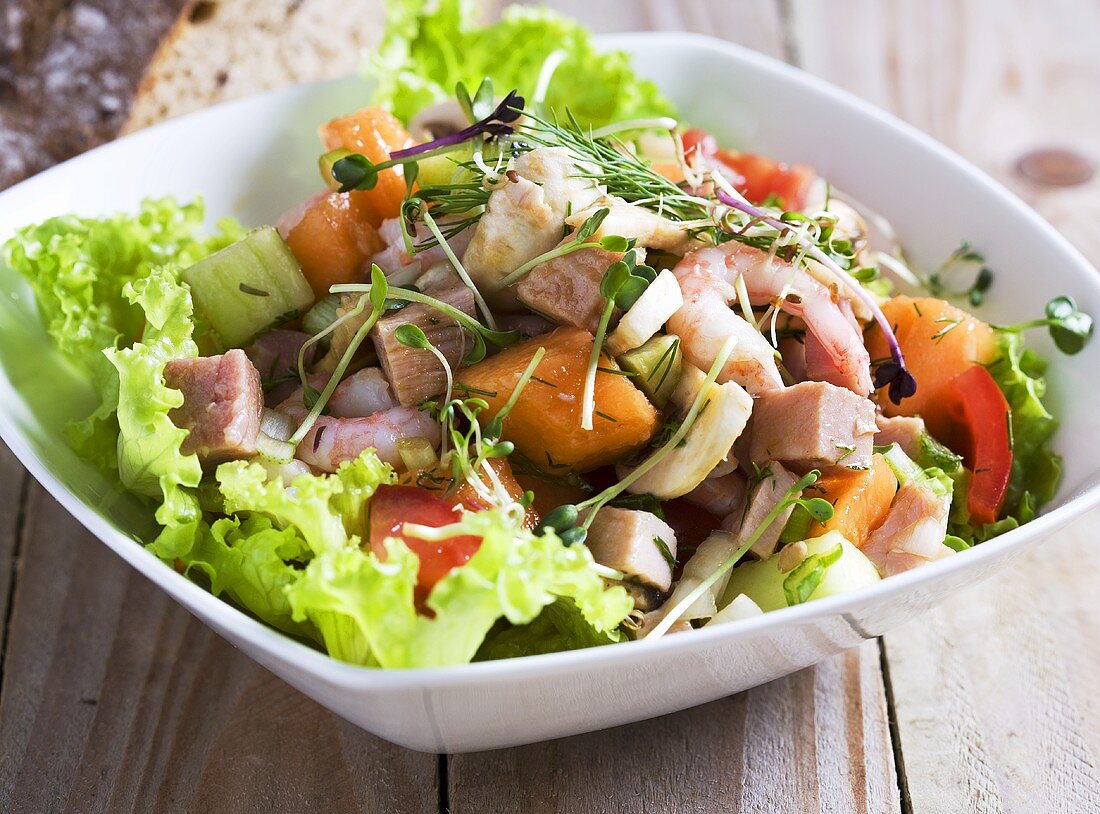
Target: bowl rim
[(280, 646)]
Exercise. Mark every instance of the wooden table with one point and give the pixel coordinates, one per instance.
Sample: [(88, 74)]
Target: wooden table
[(115, 699)]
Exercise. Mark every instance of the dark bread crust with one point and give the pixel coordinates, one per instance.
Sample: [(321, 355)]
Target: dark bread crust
[(69, 73)]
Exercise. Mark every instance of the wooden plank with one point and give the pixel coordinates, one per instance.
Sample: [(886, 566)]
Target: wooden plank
[(996, 691), (115, 699), (997, 696), (13, 485), (816, 740)]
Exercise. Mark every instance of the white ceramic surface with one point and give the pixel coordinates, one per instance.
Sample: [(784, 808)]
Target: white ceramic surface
[(256, 157)]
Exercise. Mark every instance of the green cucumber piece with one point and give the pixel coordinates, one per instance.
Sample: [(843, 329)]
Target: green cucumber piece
[(762, 581), (439, 170), (657, 366), (248, 287)]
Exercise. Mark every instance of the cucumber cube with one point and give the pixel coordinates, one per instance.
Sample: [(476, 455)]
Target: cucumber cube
[(248, 287), (656, 365)]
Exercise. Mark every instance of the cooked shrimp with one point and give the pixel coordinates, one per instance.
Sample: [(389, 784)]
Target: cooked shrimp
[(363, 393), (331, 441), (913, 532), (830, 326), (705, 321)]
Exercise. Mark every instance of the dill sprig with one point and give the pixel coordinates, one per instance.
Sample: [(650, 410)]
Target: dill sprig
[(624, 174)]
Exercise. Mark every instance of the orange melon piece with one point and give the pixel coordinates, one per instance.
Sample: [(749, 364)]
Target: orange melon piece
[(939, 341), (545, 424), (333, 241), (375, 133), (861, 500)]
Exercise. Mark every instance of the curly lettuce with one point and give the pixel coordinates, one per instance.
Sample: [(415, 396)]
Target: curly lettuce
[(427, 49), (294, 557), (79, 270), (559, 627), (149, 458), (248, 559), (1036, 469)]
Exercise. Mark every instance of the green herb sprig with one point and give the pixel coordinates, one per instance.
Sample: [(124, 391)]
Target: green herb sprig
[(622, 284), (482, 335), (1070, 328)]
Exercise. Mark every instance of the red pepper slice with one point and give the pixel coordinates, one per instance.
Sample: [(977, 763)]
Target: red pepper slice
[(981, 417), (392, 506)]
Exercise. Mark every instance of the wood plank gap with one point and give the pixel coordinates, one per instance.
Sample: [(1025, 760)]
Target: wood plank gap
[(444, 787), (16, 552), (788, 37), (895, 731)]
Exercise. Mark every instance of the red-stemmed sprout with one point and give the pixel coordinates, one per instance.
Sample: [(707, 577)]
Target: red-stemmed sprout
[(893, 374), (356, 171)]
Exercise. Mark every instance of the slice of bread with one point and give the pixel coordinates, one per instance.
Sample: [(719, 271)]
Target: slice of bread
[(222, 49)]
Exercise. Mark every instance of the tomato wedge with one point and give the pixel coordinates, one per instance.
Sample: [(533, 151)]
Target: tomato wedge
[(981, 417), (760, 177), (393, 506), (764, 177), (698, 141)]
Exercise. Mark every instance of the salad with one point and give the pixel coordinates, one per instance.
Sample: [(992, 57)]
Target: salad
[(540, 367)]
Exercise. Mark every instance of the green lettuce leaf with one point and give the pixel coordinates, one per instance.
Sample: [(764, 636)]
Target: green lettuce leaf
[(249, 559), (426, 51), (79, 270), (149, 457), (364, 606), (1036, 469), (327, 510), (559, 627)]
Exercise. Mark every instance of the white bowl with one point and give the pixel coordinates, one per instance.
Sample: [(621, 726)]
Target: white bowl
[(255, 158)]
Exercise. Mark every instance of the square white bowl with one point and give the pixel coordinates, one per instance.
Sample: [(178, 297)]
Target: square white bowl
[(255, 158)]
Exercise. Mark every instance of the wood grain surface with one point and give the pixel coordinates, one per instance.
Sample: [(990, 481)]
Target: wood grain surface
[(114, 699)]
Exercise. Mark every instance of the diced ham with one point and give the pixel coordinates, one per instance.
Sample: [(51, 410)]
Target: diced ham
[(773, 486), (813, 425), (566, 290), (275, 356), (721, 495), (222, 405), (415, 374), (903, 430), (625, 539)]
